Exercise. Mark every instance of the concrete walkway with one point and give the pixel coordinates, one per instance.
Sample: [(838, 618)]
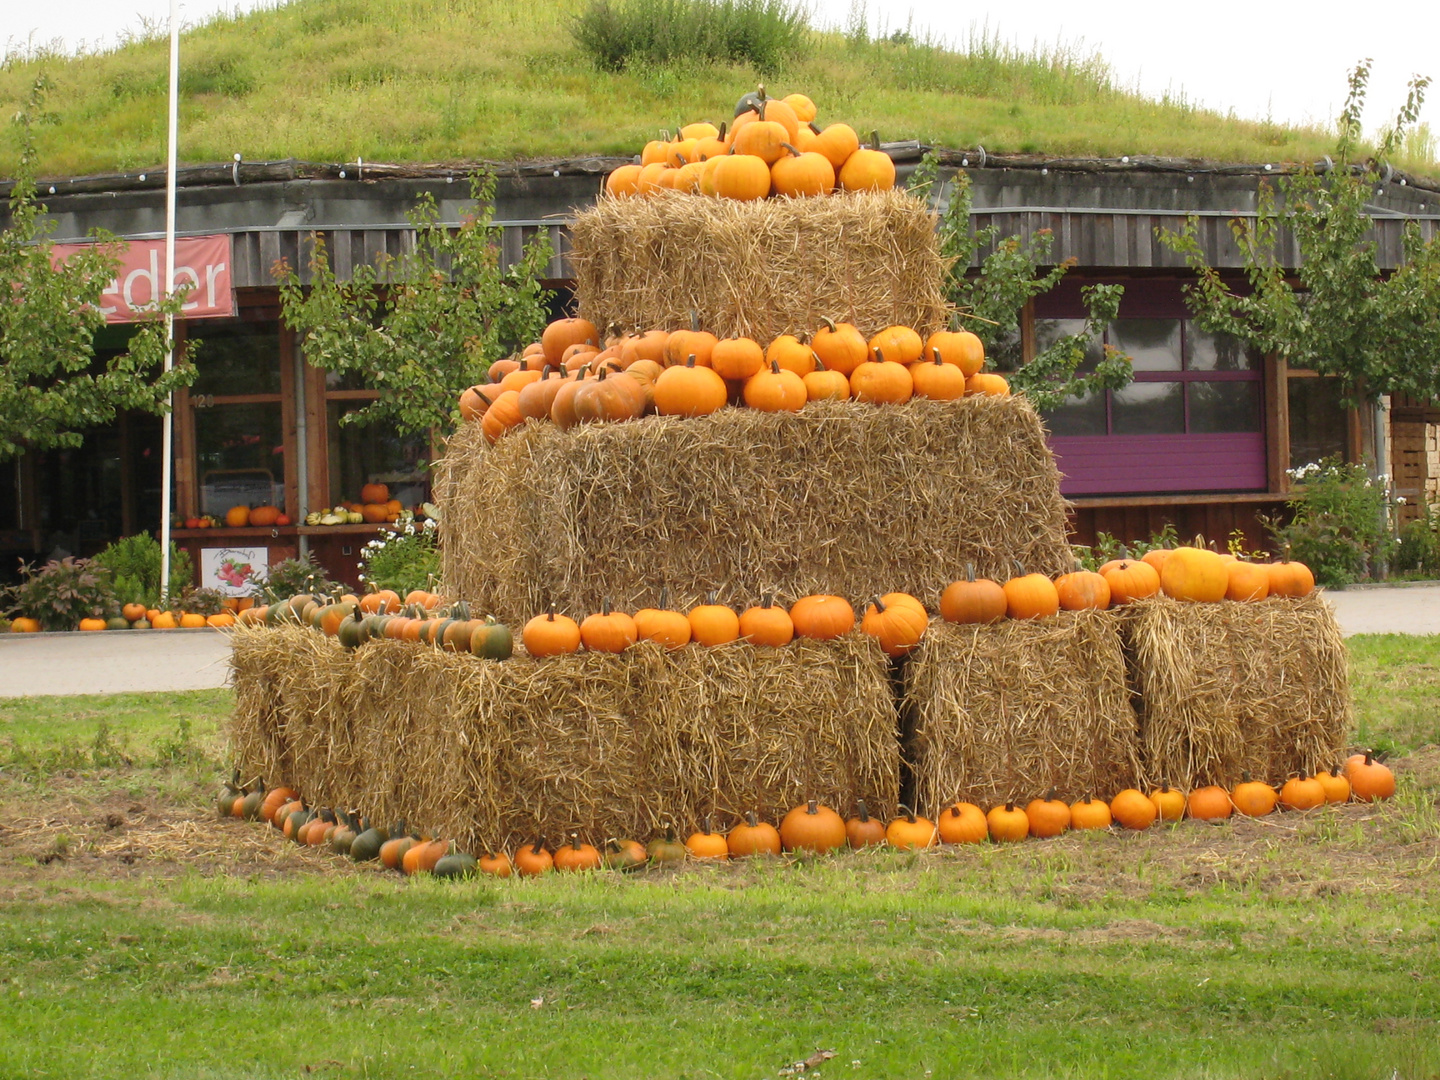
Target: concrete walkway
[(113, 662), (1387, 609)]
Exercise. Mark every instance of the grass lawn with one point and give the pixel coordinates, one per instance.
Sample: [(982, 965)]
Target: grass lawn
[(139, 937)]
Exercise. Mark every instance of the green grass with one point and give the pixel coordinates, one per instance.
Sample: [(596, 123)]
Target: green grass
[(140, 938), (428, 80)]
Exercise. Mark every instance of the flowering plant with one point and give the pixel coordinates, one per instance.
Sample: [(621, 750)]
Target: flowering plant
[(1339, 521), (402, 559)]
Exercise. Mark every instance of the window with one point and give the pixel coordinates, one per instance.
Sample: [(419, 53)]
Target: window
[(238, 421), (360, 454), (1319, 425)]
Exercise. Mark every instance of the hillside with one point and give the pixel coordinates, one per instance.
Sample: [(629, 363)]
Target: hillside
[(438, 80)]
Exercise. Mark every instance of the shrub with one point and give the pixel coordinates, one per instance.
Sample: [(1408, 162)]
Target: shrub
[(615, 34), (1419, 547), (291, 576), (202, 601), (405, 559), (62, 593), (134, 565), (1338, 525)]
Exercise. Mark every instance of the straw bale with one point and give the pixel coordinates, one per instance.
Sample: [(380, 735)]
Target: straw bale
[(1239, 687), (759, 269), (1010, 710), (493, 754), (842, 497)]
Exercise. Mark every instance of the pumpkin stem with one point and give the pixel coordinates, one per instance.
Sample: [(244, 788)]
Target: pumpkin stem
[(775, 367), (819, 364), (751, 819), (664, 596), (1019, 570), (938, 361), (811, 808), (706, 830), (690, 362), (829, 322), (538, 846), (874, 140), (814, 127), (879, 356), (861, 812), (1051, 796), (605, 606), (955, 810), (792, 149), (970, 572), (710, 597), (721, 136), (1010, 807), (1368, 760), (551, 616), (879, 607), (909, 814)]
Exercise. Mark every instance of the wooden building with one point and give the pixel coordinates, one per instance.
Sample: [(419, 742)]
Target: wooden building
[(1201, 439)]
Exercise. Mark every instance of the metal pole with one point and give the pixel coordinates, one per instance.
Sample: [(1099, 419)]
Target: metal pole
[(167, 423)]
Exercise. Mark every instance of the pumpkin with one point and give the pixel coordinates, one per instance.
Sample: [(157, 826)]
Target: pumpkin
[(1130, 580), (822, 617), (1169, 803), (840, 346), (681, 152), (475, 401), (623, 182), (650, 345), (669, 628), (867, 169), (897, 625), (962, 823), (1030, 596), (190, 620), (796, 174), (707, 844), (737, 358), (1195, 574), (763, 139), (1091, 813), (1335, 786), (366, 846), (495, 864), (938, 380), (1209, 803), (1247, 581), (813, 827), (538, 398), (666, 850), (489, 640), (802, 106), (1049, 816), (609, 399), (576, 856), (959, 348), (221, 620), (237, 517), (534, 859), (502, 415), (99, 624), (608, 631), (713, 624), (862, 830), (562, 405), (792, 354), (456, 865), (690, 390), (882, 381), (551, 635), (1370, 781), (770, 625), (741, 177), (561, 334), (1290, 579), (1302, 792), (1133, 809), (753, 837), (626, 856), (24, 625), (823, 384), (653, 177), (380, 602), (1253, 797), (653, 153), (775, 390), (1007, 824), (987, 384), (695, 342), (900, 344), (699, 130), (1082, 590), (974, 600), (836, 143), (275, 798), (909, 830)]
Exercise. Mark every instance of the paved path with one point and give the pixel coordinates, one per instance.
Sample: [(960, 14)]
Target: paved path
[(1387, 609), (113, 662)]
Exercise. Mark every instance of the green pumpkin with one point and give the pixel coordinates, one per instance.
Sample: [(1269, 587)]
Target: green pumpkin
[(117, 623), (492, 640), (666, 850), (343, 838), (366, 846), (434, 632), (280, 613), (458, 865), (295, 820), (352, 632), (250, 808), (140, 624)]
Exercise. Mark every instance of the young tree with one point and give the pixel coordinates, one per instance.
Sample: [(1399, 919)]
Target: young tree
[(1339, 314), (989, 304), (50, 387), (424, 326)]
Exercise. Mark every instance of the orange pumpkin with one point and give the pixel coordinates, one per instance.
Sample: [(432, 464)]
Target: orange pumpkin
[(695, 342), (1247, 581), (532, 860), (1291, 579), (561, 334), (1049, 816), (1082, 590), (1253, 797), (374, 493), (753, 837), (737, 358), (623, 182), (1130, 580), (962, 823), (1370, 781), (775, 390), (237, 517), (1091, 813), (1169, 803), (822, 617), (669, 628), (707, 844), (987, 384), (576, 856), (938, 380), (900, 344), (690, 390), (882, 381), (840, 346), (551, 635), (974, 600), (798, 174), (823, 384), (867, 169), (909, 830), (1209, 803), (1031, 596), (1133, 809), (836, 142), (1007, 823), (714, 624), (812, 827), (1336, 787), (959, 348), (1302, 792), (99, 624), (769, 625), (897, 621), (862, 830), (608, 631), (1195, 574)]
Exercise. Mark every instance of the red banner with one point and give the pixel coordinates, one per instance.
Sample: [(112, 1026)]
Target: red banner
[(202, 264)]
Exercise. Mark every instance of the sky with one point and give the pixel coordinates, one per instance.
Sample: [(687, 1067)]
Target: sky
[(1257, 60)]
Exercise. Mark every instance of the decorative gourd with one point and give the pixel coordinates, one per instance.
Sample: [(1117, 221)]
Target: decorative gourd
[(909, 830), (1247, 581), (900, 344), (812, 827), (1370, 781), (1302, 793), (532, 860), (627, 856), (1195, 574), (1169, 802), (769, 625), (551, 635), (987, 384), (713, 624), (666, 850), (669, 628), (491, 640), (495, 864), (608, 631), (959, 348), (562, 333), (1049, 816), (840, 346), (1336, 787), (896, 624), (974, 600), (737, 358), (1209, 803), (775, 390), (707, 844), (938, 380), (456, 865), (822, 617), (824, 384), (502, 415), (792, 354), (753, 837), (1082, 590), (1133, 809), (882, 381), (99, 624), (1090, 813), (576, 856), (867, 169), (862, 830), (622, 182), (796, 174), (689, 391), (1030, 596), (962, 823), (1253, 797), (1130, 580), (1291, 579), (1007, 824)]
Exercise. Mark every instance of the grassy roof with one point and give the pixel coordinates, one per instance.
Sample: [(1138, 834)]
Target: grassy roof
[(438, 80)]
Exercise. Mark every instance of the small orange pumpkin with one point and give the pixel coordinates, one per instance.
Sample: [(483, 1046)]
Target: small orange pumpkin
[(909, 830), (822, 617), (753, 837), (962, 823), (534, 859), (1253, 797), (974, 600), (1091, 813), (608, 631), (1030, 596), (769, 625), (1302, 792), (862, 830), (1169, 802), (714, 624), (897, 621), (707, 844), (669, 628), (1049, 816), (551, 635), (1370, 781), (1007, 823), (1209, 803), (1133, 809), (813, 827)]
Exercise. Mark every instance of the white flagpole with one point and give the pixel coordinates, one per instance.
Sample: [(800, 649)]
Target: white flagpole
[(167, 423)]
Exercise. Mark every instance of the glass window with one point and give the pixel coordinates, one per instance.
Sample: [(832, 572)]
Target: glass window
[(346, 380), (1083, 415), (1217, 407), (1049, 331), (1148, 408), (240, 456), (1218, 352), (374, 454), (1318, 426), (239, 359), (1152, 344)]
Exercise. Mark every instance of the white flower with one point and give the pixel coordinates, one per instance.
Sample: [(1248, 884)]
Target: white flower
[(1400, 500)]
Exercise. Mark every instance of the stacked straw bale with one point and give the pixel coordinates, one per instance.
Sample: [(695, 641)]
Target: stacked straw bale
[(842, 497), (759, 269), (1010, 710), (493, 754), (1229, 688)]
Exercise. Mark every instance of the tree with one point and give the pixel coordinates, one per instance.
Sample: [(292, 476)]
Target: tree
[(1339, 314), (990, 303), (422, 327), (50, 388)]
